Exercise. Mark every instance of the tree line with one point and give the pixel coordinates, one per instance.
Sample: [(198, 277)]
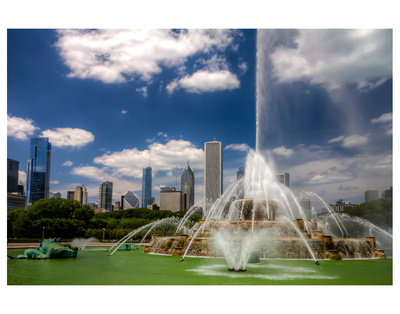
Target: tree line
[(379, 212), (69, 219)]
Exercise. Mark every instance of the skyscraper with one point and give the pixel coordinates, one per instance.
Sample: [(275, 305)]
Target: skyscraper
[(81, 194), (105, 195), (371, 195), (240, 173), (283, 178), (12, 175), (306, 205), (187, 187), (213, 167), (70, 195), (147, 187), (38, 172), (388, 193), (78, 194), (130, 200), (84, 195)]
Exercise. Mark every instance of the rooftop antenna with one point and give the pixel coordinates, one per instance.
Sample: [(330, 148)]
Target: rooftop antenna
[(176, 177), (149, 158)]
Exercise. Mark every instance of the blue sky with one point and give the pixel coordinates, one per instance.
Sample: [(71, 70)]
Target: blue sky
[(110, 99)]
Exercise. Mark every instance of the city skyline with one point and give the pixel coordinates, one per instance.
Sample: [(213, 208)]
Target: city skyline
[(338, 147)]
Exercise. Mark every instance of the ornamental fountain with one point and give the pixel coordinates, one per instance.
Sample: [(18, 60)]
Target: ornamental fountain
[(259, 218)]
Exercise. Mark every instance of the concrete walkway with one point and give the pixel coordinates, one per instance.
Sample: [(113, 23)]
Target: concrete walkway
[(33, 245)]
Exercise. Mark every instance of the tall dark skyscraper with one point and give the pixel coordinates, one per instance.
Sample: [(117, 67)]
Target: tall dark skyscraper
[(105, 195), (12, 175), (213, 168), (187, 187), (147, 180), (240, 173), (38, 172)]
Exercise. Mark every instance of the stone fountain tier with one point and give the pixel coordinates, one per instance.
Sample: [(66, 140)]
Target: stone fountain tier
[(256, 209), (259, 225), (285, 245)]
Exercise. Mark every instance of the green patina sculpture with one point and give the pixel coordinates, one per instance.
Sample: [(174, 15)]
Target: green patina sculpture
[(50, 249), (127, 247)]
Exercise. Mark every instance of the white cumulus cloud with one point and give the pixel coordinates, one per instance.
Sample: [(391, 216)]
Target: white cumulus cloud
[(116, 56), (350, 141), (63, 137), (240, 147), (163, 157), (143, 91), (20, 128), (354, 140), (336, 57), (120, 186), (68, 163), (21, 177), (384, 118), (204, 81), (283, 151), (336, 139)]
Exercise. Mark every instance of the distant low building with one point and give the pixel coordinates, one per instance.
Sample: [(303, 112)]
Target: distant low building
[(341, 205), (117, 205), (99, 210), (170, 199), (153, 206), (15, 200), (55, 195)]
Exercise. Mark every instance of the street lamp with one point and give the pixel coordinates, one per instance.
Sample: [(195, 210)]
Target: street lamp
[(43, 233), (104, 231)]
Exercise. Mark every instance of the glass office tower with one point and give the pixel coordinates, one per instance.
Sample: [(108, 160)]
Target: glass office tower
[(12, 175), (187, 187), (38, 172), (130, 200), (146, 187), (105, 195)]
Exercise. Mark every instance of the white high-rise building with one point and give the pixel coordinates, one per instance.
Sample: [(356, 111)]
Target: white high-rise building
[(371, 195), (283, 178), (306, 205), (84, 195), (81, 194), (213, 167)]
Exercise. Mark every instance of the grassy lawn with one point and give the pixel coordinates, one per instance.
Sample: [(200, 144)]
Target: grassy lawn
[(94, 267)]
